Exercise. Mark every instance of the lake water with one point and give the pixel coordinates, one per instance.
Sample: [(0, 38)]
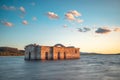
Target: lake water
[(88, 67)]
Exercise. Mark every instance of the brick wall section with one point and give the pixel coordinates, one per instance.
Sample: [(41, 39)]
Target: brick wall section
[(44, 50), (61, 52), (57, 51), (72, 53)]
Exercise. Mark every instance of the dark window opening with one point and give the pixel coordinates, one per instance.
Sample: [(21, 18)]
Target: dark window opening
[(46, 56), (29, 55), (64, 55), (58, 55), (75, 51)]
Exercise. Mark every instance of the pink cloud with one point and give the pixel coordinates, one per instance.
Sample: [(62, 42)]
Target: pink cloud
[(75, 13), (65, 26), (73, 16), (79, 20), (52, 15), (9, 24), (69, 16), (22, 9), (24, 22), (117, 30)]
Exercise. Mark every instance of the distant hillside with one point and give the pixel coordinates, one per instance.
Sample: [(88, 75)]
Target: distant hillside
[(9, 51), (87, 53)]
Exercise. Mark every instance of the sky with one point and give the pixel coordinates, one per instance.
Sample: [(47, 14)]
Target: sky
[(91, 25)]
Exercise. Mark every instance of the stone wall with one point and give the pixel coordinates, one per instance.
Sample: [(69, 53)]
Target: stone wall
[(37, 52), (51, 53), (46, 52), (58, 53), (28, 52), (66, 53)]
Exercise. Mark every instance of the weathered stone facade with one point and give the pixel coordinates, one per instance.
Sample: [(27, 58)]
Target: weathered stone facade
[(57, 52)]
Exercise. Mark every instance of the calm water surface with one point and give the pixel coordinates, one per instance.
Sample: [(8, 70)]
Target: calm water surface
[(88, 67)]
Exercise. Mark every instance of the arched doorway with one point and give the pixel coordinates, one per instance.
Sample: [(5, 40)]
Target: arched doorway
[(64, 55), (58, 55), (46, 56), (29, 55)]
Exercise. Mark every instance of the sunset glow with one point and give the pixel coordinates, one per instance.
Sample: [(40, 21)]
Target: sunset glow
[(91, 25)]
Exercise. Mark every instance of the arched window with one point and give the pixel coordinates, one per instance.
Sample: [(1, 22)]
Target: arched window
[(58, 55), (64, 55), (75, 51), (46, 56), (29, 55)]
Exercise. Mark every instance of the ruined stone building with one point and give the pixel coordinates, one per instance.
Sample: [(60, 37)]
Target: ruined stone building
[(56, 52)]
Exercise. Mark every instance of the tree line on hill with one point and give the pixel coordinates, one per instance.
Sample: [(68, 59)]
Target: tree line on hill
[(9, 51)]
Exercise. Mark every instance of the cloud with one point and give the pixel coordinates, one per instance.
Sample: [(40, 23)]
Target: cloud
[(6, 23), (69, 16), (22, 9), (102, 30), (52, 15), (9, 24), (85, 29), (80, 30), (33, 4), (117, 30), (34, 18), (75, 13), (73, 16), (65, 26), (24, 22), (8, 7), (79, 20)]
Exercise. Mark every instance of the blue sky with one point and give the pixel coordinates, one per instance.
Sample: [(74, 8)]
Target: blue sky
[(91, 25)]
